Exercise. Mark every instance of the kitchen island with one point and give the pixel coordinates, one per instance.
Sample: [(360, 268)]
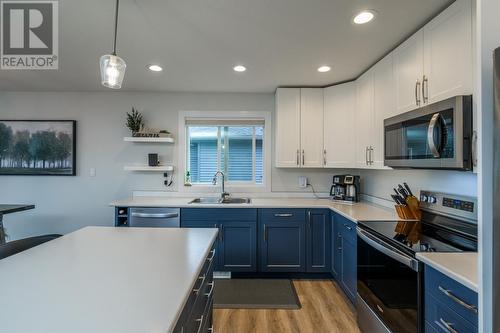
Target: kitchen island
[(103, 279)]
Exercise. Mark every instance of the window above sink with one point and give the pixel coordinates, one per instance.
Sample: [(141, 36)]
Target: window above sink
[(235, 143)]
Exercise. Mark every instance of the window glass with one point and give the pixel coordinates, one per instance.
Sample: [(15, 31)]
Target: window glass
[(237, 151)]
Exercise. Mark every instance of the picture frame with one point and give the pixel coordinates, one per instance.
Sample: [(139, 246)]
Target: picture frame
[(37, 147)]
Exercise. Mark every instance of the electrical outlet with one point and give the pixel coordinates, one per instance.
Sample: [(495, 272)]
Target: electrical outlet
[(92, 172), (302, 181)]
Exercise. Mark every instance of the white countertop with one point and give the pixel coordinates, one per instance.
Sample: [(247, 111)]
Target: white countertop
[(461, 267), (361, 211), (103, 279)]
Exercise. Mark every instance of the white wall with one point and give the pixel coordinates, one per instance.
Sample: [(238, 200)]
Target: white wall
[(64, 204)]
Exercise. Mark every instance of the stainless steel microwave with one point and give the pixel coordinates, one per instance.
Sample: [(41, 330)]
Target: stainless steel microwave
[(436, 136)]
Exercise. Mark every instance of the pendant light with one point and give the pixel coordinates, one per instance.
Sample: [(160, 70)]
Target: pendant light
[(112, 66)]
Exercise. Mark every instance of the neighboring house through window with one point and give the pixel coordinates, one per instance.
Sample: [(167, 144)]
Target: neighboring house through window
[(234, 146)]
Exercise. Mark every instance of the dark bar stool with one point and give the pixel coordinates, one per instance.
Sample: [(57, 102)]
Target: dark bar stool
[(21, 245)]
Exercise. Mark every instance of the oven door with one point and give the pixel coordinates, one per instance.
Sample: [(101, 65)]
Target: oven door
[(437, 136), (389, 287)]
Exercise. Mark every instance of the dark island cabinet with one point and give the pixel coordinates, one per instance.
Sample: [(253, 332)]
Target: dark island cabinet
[(236, 244)]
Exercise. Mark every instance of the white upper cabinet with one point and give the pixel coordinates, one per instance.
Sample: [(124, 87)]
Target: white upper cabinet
[(287, 125), (436, 62), (339, 141), (364, 119), (409, 67), (311, 130), (299, 127), (448, 54), (384, 106)]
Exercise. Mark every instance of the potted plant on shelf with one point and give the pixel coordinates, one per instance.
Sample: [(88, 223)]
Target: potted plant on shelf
[(135, 121)]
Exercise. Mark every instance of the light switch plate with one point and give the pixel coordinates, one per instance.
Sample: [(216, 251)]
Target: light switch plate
[(302, 181), (92, 172)]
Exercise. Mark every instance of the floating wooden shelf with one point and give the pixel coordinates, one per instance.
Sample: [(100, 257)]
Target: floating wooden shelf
[(150, 140), (160, 168)]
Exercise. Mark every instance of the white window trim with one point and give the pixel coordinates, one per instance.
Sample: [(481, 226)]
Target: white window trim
[(234, 187)]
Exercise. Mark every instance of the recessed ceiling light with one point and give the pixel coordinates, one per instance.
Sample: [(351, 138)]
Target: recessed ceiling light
[(155, 68), (364, 17), (324, 69), (239, 68)]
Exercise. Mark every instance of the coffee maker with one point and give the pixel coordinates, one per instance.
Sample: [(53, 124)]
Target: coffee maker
[(345, 188)]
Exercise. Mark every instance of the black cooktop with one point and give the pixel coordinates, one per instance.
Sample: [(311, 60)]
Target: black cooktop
[(435, 233)]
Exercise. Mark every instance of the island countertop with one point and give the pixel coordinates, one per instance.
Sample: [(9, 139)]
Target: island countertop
[(360, 211), (103, 279)]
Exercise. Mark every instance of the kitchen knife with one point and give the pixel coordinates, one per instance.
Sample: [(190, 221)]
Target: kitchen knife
[(402, 191), (408, 189)]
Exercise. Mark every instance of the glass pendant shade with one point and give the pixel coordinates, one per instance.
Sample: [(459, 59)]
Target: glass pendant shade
[(112, 71)]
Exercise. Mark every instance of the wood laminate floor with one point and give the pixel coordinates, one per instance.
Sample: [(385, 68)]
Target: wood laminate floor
[(324, 309)]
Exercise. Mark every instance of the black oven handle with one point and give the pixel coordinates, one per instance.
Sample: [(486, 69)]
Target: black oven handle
[(436, 151), (388, 250)]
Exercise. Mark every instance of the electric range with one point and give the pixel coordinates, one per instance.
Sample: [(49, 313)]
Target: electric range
[(390, 278)]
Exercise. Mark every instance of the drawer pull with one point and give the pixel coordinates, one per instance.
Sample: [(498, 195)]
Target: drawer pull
[(458, 300), (347, 227), (209, 259), (202, 278), (200, 325), (283, 215), (212, 285), (448, 327)]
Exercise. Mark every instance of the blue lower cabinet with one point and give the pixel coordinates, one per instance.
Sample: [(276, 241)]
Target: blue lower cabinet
[(236, 243), (318, 241), (238, 246), (282, 241), (349, 268), (449, 305), (344, 254), (336, 249)]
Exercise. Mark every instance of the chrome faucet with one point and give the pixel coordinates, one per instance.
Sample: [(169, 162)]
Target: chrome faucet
[(223, 194)]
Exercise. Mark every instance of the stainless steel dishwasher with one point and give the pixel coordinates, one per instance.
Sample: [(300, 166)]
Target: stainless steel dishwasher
[(155, 217)]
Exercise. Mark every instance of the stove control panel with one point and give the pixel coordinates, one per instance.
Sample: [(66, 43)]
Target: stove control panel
[(449, 204)]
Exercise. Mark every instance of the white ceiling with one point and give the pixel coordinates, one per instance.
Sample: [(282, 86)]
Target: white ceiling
[(282, 42)]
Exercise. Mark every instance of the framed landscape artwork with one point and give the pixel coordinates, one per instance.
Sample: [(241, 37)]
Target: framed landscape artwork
[(38, 147)]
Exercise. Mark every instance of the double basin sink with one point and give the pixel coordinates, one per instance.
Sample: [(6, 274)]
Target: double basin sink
[(216, 201)]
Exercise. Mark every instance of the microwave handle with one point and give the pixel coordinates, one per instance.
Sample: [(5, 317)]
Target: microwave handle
[(430, 134), (388, 250)]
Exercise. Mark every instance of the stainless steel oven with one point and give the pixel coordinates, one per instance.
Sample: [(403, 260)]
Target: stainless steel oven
[(436, 136), (389, 287), (389, 276)]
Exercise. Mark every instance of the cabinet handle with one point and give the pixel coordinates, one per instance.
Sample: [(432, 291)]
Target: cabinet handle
[(309, 219), (339, 239), (417, 92), (283, 215), (222, 232), (370, 155), (303, 158), (458, 300), (298, 157), (202, 278), (324, 156), (265, 233), (200, 325), (366, 155), (209, 294), (347, 227), (447, 326), (209, 259), (425, 89)]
